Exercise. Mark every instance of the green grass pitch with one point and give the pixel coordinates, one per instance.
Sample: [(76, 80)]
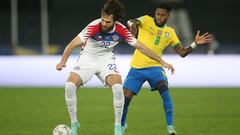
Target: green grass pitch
[(197, 111)]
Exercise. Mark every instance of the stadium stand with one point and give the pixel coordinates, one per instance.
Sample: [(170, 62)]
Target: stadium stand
[(66, 19)]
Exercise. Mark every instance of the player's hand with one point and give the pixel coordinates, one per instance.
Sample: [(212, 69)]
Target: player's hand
[(133, 29), (169, 67), (60, 66), (203, 39)]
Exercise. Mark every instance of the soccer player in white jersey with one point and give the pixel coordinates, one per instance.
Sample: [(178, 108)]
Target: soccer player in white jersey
[(96, 58)]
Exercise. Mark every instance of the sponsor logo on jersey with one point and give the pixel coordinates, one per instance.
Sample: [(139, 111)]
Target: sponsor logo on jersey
[(100, 37), (159, 32)]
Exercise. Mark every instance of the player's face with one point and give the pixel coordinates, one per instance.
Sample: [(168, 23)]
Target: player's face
[(161, 16), (107, 22)]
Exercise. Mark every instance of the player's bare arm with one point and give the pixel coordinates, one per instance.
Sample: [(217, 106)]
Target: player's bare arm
[(143, 49), (67, 52), (133, 26), (199, 40)]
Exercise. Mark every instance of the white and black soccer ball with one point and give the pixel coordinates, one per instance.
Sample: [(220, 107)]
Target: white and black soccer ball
[(61, 129)]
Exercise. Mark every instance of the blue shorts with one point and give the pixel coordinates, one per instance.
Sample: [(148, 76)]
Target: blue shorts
[(136, 78)]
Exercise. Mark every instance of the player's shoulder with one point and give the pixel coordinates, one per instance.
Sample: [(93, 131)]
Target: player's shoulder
[(148, 17), (169, 28), (93, 27), (120, 28), (145, 17)]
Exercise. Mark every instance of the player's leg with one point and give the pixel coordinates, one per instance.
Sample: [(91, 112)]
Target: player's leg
[(128, 95), (115, 82), (167, 104), (82, 72), (73, 82), (158, 81), (132, 86), (108, 73)]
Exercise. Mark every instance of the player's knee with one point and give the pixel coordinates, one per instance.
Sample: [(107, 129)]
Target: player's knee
[(70, 89), (128, 93), (162, 86), (118, 91)]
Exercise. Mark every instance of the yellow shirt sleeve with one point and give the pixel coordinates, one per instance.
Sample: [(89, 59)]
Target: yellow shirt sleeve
[(174, 39)]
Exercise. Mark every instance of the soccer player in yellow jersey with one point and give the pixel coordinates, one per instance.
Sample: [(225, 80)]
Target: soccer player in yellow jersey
[(156, 35)]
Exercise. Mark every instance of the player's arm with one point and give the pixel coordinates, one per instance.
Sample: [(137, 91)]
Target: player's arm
[(199, 40), (143, 49), (67, 52), (133, 26)]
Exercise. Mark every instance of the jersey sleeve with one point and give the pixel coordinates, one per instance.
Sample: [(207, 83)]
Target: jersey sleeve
[(89, 30), (126, 35), (174, 39)]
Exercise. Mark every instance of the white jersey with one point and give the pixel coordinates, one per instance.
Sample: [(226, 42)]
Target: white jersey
[(98, 43), (96, 56)]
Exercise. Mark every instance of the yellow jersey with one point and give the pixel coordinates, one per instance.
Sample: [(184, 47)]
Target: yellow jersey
[(155, 38)]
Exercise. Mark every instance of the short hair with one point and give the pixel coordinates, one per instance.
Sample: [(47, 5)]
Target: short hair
[(165, 6), (114, 7)]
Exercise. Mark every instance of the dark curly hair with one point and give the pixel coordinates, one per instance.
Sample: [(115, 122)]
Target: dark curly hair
[(115, 8), (165, 6)]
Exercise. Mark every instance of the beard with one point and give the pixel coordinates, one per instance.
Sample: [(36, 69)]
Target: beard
[(159, 23), (106, 29)]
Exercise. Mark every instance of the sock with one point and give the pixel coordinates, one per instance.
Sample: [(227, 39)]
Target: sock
[(118, 101), (125, 110), (71, 100), (167, 104)]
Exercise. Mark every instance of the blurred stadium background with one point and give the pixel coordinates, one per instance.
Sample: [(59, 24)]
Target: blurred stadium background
[(46, 26), (205, 87)]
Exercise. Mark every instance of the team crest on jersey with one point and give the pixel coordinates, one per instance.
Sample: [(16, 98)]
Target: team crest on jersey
[(115, 37), (167, 34)]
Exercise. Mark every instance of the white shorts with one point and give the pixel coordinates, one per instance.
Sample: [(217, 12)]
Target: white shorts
[(87, 66)]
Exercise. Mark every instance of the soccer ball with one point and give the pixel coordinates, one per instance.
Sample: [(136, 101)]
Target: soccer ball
[(61, 130)]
